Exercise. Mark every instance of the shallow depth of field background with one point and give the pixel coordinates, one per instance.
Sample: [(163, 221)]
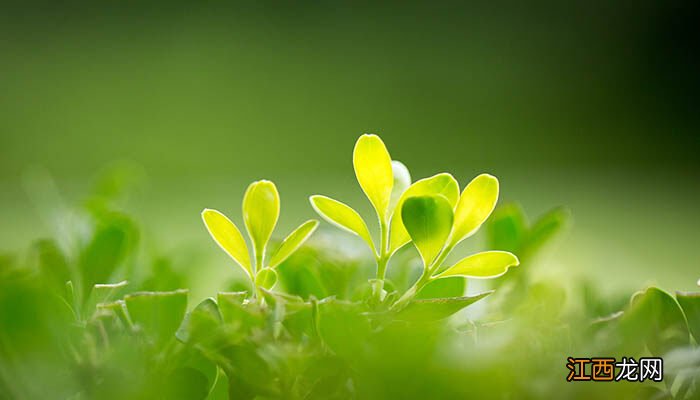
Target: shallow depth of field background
[(584, 104)]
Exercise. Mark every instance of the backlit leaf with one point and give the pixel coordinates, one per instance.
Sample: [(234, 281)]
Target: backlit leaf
[(266, 278), (428, 220), (292, 242), (374, 171), (453, 286), (402, 181), (488, 264), (261, 209), (476, 203), (342, 216), (228, 237), (441, 184)]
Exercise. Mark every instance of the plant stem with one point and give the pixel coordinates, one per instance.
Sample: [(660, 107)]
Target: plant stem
[(426, 277), (383, 257)]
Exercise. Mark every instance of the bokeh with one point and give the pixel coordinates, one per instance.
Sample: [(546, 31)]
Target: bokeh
[(590, 105)]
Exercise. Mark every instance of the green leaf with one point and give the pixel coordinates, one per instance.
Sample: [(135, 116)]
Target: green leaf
[(200, 325), (374, 172), (52, 264), (105, 293), (292, 242), (428, 310), (228, 237), (342, 216), (507, 228), (158, 314), (236, 310), (690, 303), (402, 181), (654, 318), (546, 228), (343, 327), (428, 220), (487, 264), (475, 205), (261, 209), (113, 239), (266, 278), (441, 184), (453, 286), (185, 383)]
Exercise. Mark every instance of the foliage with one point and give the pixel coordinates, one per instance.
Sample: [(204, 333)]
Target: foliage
[(90, 316)]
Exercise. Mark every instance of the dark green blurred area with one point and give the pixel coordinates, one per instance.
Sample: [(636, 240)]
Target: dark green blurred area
[(592, 105)]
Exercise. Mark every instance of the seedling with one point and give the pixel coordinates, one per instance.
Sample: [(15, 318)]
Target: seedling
[(436, 225), (261, 209), (430, 212)]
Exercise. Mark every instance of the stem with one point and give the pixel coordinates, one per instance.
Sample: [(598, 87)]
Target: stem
[(426, 277), (383, 257), (412, 291)]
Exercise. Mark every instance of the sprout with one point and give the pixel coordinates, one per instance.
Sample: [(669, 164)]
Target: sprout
[(261, 209)]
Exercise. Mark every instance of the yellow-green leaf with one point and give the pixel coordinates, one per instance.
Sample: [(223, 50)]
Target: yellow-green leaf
[(292, 242), (373, 171), (441, 184), (488, 264), (261, 208), (342, 216), (428, 220), (266, 278), (228, 237), (402, 181), (475, 205)]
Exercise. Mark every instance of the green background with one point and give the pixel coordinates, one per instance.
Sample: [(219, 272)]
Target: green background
[(584, 104)]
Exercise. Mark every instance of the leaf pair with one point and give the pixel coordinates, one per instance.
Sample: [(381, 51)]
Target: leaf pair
[(436, 219), (261, 208), (374, 171)]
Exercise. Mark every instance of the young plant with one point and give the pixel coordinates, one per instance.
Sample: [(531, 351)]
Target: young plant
[(437, 223), (431, 212), (261, 209), (380, 178)]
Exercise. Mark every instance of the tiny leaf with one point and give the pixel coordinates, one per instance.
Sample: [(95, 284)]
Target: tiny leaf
[(342, 216), (488, 264), (292, 242), (266, 278), (475, 205), (261, 209), (428, 220), (374, 171), (441, 184), (228, 237)]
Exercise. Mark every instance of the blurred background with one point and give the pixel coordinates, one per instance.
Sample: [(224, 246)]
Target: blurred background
[(592, 105)]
